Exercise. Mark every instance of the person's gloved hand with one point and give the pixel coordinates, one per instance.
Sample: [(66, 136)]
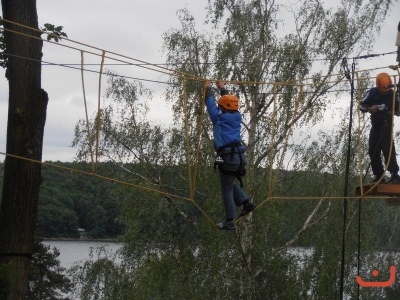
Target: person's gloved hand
[(363, 108), (207, 86), (221, 87), (373, 109), (220, 84)]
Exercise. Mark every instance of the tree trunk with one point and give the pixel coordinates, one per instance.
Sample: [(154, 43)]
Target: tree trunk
[(25, 127)]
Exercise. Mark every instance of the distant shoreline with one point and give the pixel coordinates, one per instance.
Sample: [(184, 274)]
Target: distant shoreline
[(82, 240)]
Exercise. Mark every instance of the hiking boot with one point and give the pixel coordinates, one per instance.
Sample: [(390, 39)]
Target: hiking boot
[(376, 179), (395, 178), (247, 208), (226, 225)]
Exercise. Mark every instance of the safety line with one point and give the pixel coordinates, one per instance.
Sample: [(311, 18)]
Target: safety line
[(269, 198), (140, 187), (75, 42), (196, 78), (163, 70), (240, 62), (47, 63), (169, 72), (192, 176)]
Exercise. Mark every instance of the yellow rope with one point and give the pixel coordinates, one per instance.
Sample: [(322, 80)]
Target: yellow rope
[(192, 175), (97, 176), (103, 56), (162, 69), (159, 69), (99, 113), (140, 187), (86, 114)]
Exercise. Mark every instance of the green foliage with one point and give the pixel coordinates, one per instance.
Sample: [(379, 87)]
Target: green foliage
[(47, 279), (6, 271), (56, 215), (102, 277), (69, 201), (167, 255), (171, 247), (54, 32)]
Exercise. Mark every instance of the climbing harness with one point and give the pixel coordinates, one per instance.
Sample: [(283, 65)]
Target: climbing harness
[(231, 149)]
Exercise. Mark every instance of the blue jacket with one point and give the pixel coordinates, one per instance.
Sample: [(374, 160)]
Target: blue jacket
[(384, 102), (226, 124)]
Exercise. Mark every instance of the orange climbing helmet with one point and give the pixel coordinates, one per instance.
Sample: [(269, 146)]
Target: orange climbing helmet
[(229, 102), (383, 82)]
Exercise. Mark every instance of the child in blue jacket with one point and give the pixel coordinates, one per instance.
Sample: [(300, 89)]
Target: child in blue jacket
[(226, 120)]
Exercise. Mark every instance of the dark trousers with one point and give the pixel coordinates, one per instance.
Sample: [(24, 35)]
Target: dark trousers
[(232, 195), (379, 142)]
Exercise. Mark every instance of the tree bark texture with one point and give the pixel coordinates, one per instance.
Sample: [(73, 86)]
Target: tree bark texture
[(25, 127)]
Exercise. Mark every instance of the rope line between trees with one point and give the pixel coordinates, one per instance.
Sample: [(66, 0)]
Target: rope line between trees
[(193, 166)]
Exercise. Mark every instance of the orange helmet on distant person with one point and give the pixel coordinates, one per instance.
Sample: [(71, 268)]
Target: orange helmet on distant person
[(383, 82), (229, 102)]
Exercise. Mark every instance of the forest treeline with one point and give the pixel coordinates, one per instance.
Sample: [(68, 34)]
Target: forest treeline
[(70, 201)]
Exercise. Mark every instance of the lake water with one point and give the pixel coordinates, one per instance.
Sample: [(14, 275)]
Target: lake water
[(72, 252), (78, 251)]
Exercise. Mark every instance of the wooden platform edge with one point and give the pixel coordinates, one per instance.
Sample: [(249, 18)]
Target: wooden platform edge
[(381, 189)]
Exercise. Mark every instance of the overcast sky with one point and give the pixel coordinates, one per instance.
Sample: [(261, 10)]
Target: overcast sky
[(131, 28)]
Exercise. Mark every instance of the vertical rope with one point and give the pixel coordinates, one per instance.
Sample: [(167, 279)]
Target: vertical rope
[(99, 110), (86, 114), (361, 178), (347, 174), (391, 129), (192, 177), (361, 185)]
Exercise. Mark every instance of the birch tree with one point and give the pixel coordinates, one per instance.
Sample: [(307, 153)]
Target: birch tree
[(282, 61), (282, 75)]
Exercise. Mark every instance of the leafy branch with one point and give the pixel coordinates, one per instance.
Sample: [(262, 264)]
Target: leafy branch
[(53, 32)]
